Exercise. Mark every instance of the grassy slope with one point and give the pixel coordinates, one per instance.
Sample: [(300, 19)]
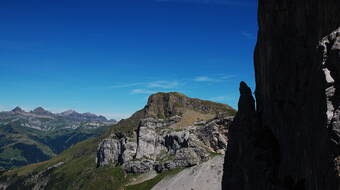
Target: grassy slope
[(21, 146), (79, 170)]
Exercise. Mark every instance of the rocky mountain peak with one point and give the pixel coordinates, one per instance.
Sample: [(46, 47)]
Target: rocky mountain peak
[(165, 105), (18, 110), (41, 111), (73, 115)]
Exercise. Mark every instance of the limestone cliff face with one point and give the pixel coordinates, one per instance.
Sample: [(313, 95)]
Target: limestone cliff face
[(291, 139), (159, 147)]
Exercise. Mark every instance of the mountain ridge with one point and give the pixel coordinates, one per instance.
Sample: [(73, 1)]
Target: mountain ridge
[(44, 133), (68, 114)]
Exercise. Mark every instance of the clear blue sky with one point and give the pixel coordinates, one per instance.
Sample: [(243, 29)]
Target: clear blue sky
[(108, 56)]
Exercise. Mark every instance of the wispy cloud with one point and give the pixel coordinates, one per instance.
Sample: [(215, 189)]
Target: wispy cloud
[(142, 91), (220, 2), (220, 98), (205, 79), (248, 35), (170, 85), (163, 84), (226, 77), (219, 78)]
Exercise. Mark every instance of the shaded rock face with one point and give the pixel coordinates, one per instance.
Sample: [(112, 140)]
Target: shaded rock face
[(291, 139), (159, 147)]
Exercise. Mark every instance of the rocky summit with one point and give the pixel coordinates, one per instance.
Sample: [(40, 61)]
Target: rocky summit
[(175, 132), (290, 140)]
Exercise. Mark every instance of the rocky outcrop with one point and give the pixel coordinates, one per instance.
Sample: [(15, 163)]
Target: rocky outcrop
[(172, 131), (165, 105), (291, 139), (158, 146)]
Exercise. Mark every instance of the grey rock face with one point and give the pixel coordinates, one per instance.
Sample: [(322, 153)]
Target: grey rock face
[(129, 149), (158, 147), (109, 151), (290, 140), (215, 134), (148, 145), (138, 166), (176, 140), (185, 157)]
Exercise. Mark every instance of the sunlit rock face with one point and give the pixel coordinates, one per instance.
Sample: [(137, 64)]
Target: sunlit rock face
[(158, 147), (291, 139)]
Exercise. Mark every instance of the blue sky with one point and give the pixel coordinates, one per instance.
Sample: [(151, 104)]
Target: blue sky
[(108, 56)]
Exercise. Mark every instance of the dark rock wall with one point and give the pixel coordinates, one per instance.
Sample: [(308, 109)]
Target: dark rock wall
[(290, 141)]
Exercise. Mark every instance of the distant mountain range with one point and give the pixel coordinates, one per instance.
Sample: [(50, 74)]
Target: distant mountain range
[(42, 119), (38, 135)]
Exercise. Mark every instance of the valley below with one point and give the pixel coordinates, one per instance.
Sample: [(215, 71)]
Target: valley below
[(39, 135)]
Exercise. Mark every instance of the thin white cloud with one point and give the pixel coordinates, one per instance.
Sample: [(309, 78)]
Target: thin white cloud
[(227, 77), (248, 35), (218, 78), (163, 84), (149, 87), (224, 99), (170, 85), (206, 79), (220, 98), (142, 91)]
